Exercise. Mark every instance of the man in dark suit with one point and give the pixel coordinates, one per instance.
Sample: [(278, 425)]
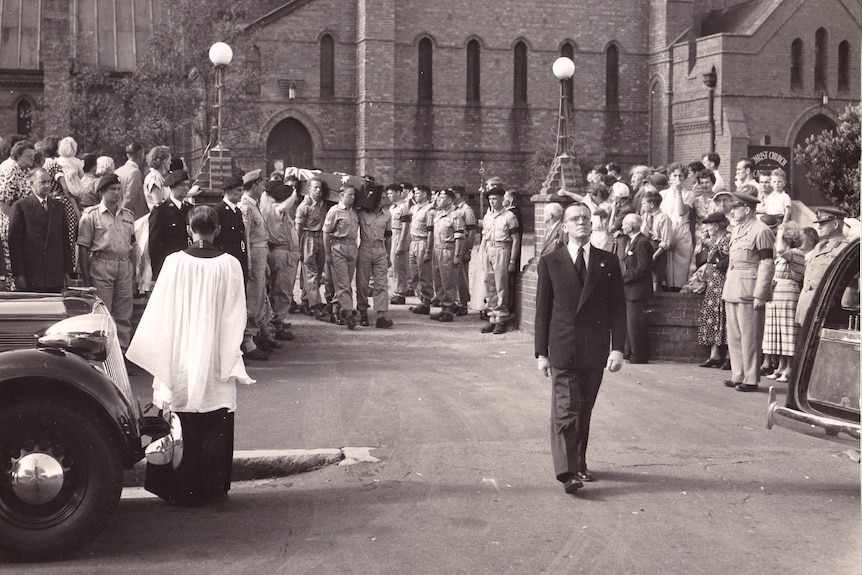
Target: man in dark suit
[(554, 234), (636, 261), (232, 238), (580, 330), (168, 221), (39, 249)]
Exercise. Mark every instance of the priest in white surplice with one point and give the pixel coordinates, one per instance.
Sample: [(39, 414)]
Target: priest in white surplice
[(189, 340)]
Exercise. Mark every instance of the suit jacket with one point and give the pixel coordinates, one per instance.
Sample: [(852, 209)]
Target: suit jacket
[(553, 238), (132, 189), (167, 232), (637, 268), (578, 324), (232, 237), (39, 246)]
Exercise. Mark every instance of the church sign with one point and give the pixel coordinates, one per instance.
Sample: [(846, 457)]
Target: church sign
[(768, 158)]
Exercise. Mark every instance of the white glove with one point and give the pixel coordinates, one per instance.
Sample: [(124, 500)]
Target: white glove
[(544, 365), (615, 361)]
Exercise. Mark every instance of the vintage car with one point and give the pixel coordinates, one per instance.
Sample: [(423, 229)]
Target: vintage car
[(68, 423), (823, 392)]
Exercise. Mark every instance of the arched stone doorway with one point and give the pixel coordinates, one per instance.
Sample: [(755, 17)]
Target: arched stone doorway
[(290, 142), (802, 189)]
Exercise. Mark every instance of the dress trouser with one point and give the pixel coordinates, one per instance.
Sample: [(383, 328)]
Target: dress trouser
[(400, 267), (497, 280), (637, 347), (343, 268), (256, 285), (464, 281), (114, 281), (572, 399), (282, 268), (445, 277), (313, 262), (420, 270), (372, 264), (744, 340)]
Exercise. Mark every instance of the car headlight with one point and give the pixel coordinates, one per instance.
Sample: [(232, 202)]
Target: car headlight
[(86, 335)]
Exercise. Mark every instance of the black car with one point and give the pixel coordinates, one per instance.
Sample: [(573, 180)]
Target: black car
[(69, 426), (823, 392)]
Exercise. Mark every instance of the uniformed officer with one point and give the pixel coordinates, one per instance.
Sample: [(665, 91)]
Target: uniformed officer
[(400, 215), (446, 246), (747, 288), (168, 221), (421, 224), (309, 223), (340, 233), (375, 242), (106, 237), (470, 226), (500, 233), (830, 227)]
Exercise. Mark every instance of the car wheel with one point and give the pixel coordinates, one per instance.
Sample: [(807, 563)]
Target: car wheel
[(60, 478)]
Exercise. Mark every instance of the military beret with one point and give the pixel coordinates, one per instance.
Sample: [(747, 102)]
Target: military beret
[(743, 199), (451, 195), (271, 185), (107, 180), (176, 164), (715, 218), (658, 180), (232, 182), (494, 191), (175, 177), (281, 192), (251, 177), (829, 214)]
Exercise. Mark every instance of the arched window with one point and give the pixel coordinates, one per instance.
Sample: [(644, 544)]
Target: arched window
[(612, 76), (327, 66), (820, 59), (24, 113), (473, 72), (252, 86), (844, 65), (425, 67), (796, 65), (519, 84), (567, 50)]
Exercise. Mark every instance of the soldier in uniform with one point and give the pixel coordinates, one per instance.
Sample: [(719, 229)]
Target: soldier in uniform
[(502, 238), (421, 224), (830, 227), (470, 226), (106, 237), (168, 221), (747, 288), (446, 246), (400, 215), (276, 206), (375, 242), (309, 223), (340, 232)]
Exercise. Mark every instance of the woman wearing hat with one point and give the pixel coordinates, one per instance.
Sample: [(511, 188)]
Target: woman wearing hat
[(712, 321)]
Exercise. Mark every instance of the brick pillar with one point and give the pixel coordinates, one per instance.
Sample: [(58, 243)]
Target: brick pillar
[(215, 169)]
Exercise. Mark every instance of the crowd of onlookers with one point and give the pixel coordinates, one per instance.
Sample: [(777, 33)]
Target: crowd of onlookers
[(111, 227)]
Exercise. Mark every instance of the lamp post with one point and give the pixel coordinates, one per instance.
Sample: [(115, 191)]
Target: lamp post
[(563, 69), (220, 55), (710, 79)]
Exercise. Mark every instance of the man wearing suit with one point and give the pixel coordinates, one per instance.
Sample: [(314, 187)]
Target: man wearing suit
[(554, 234), (168, 221), (580, 329), (132, 181), (39, 249), (636, 261)]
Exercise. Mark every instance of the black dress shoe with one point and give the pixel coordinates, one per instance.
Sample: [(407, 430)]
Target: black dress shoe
[(726, 365), (711, 363), (572, 485), (746, 387), (585, 476), (730, 383)]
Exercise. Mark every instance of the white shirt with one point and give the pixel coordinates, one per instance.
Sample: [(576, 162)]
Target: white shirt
[(573, 253)]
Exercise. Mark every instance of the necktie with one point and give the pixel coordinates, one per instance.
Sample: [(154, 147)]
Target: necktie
[(45, 205), (580, 266)]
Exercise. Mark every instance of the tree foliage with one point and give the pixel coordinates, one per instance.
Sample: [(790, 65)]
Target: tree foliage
[(832, 159)]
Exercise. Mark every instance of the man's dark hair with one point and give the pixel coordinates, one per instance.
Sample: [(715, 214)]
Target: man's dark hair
[(706, 173), (696, 167), (599, 169), (134, 148), (203, 220), (714, 158), (424, 188), (89, 162), (49, 146), (393, 187), (748, 163), (612, 167)]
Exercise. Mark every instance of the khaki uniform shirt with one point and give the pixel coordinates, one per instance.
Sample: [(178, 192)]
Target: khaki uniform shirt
[(448, 226), (374, 227), (816, 262), (342, 223), (422, 220), (499, 227), (400, 215), (252, 217), (102, 231), (749, 276), (279, 223), (310, 216)]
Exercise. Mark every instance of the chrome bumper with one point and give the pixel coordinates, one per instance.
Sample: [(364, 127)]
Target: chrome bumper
[(803, 422)]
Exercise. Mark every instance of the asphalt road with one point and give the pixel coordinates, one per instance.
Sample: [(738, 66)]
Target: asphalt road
[(689, 479)]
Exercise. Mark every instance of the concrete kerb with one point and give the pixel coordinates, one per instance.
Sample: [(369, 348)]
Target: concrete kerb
[(265, 464)]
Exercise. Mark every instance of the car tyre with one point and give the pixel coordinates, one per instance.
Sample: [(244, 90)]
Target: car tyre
[(92, 478)]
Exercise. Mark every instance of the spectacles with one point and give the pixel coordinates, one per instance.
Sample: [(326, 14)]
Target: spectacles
[(579, 219)]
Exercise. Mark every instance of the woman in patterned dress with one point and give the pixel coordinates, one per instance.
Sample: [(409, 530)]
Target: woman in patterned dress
[(780, 330), (61, 190), (711, 325)]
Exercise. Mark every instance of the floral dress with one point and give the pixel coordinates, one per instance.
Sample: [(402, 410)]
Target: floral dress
[(712, 321)]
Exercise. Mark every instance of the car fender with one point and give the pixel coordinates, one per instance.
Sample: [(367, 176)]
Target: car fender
[(54, 373)]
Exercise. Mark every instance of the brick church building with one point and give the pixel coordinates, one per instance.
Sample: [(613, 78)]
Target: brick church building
[(430, 91)]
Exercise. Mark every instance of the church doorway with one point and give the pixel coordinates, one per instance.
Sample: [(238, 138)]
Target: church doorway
[(802, 188), (289, 143)]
